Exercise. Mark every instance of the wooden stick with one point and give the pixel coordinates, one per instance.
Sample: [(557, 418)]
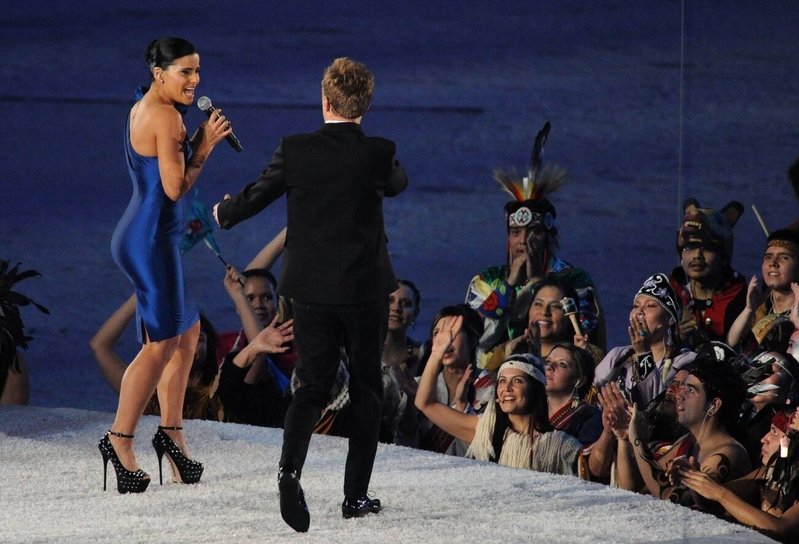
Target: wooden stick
[(570, 309), (760, 219)]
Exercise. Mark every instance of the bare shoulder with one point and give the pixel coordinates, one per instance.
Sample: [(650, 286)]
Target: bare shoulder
[(726, 462), (152, 121)]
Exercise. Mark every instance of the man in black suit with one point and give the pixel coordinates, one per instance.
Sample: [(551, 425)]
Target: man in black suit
[(336, 270)]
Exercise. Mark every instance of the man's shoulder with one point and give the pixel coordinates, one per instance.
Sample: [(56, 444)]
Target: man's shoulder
[(338, 129)]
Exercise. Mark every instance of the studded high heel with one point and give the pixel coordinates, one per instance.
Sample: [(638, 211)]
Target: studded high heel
[(128, 481), (184, 469)]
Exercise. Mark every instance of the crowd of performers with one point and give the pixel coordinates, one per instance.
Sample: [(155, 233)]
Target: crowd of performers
[(699, 408)]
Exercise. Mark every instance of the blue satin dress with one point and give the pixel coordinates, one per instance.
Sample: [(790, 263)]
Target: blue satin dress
[(145, 245)]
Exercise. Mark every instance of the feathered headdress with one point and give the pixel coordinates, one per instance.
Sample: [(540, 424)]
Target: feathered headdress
[(530, 204)]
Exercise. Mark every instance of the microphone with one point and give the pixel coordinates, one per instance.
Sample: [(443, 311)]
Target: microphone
[(204, 103)]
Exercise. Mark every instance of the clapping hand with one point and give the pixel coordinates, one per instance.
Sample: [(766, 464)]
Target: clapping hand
[(756, 295), (462, 390), (698, 481), (535, 257), (615, 410), (532, 336), (794, 313), (677, 466), (639, 430)]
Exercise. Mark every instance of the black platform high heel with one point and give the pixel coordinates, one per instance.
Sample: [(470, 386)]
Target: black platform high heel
[(128, 481), (184, 469)]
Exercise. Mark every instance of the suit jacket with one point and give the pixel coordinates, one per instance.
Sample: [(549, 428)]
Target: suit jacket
[(334, 180)]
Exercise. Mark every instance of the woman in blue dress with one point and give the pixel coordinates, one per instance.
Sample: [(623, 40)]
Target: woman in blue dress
[(163, 166)]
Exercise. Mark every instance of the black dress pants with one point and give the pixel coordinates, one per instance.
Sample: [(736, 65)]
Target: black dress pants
[(320, 330)]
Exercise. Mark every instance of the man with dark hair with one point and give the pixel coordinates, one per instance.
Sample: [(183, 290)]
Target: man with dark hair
[(707, 407), (502, 294), (337, 271), (713, 294)]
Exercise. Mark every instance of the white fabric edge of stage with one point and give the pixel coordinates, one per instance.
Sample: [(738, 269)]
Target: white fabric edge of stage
[(51, 491)]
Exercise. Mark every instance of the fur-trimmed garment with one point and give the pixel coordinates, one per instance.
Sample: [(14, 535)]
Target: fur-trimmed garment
[(555, 452)]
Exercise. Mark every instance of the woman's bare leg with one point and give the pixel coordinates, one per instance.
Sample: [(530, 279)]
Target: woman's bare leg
[(138, 384), (173, 383)]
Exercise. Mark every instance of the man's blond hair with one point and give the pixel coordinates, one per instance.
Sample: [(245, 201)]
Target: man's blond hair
[(348, 85)]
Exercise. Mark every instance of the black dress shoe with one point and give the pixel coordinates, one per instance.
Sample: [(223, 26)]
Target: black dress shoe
[(359, 507), (292, 501)]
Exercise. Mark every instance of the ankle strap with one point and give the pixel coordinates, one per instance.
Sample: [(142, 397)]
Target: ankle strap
[(120, 435), (170, 428)]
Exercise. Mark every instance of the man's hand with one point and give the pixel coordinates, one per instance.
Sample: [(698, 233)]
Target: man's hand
[(517, 270), (216, 217), (755, 294), (535, 258)]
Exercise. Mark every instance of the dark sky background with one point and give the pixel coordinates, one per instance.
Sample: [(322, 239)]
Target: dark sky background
[(648, 104)]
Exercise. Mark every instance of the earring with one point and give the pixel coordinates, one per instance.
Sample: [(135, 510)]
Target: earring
[(669, 342), (575, 396), (162, 80)]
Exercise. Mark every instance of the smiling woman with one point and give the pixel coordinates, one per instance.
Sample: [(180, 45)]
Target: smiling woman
[(514, 430), (163, 166)]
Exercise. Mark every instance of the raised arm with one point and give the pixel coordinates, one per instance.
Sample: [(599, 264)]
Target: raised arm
[(273, 339), (456, 423), (234, 285), (256, 196), (615, 421), (267, 257), (105, 340), (755, 296)]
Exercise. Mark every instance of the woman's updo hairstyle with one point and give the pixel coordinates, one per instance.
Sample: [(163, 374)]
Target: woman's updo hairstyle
[(163, 52)]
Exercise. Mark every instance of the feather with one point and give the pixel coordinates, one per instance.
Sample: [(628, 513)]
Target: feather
[(546, 181), (539, 182), (538, 148), (793, 177)]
